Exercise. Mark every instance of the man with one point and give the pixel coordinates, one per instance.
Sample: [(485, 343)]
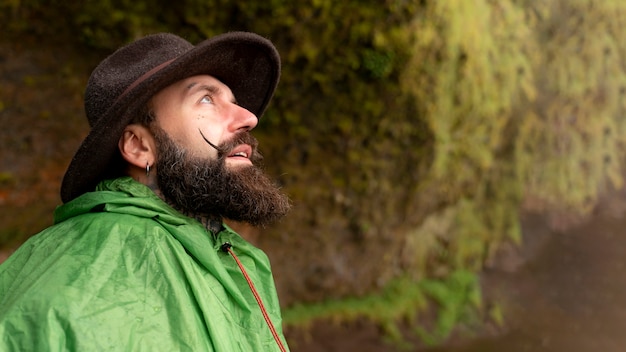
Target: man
[(139, 257)]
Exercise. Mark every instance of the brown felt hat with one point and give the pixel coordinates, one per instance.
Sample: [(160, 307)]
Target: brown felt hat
[(123, 83)]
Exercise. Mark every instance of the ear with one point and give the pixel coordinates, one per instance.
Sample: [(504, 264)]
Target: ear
[(137, 147)]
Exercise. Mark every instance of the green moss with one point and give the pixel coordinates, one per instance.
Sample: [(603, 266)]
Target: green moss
[(6, 179), (456, 297)]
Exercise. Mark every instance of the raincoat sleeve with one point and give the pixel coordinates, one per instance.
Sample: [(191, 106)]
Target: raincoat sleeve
[(67, 294)]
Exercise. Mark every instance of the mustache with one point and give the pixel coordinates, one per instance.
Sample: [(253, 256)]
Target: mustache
[(208, 141), (224, 148)]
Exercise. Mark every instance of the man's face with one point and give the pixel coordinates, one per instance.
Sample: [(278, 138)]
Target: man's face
[(207, 161), (199, 111)]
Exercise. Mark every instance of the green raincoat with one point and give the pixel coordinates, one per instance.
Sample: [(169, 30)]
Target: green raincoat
[(122, 271)]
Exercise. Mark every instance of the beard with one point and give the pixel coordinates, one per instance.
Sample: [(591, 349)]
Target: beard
[(204, 187)]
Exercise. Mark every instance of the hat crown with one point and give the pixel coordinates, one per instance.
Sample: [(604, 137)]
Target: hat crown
[(115, 74)]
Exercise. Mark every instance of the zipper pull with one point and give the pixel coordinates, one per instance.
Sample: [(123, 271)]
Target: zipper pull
[(226, 247)]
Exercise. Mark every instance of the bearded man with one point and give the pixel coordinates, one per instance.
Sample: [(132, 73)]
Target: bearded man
[(139, 257)]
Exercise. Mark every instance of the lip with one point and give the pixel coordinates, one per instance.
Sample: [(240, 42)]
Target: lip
[(242, 152)]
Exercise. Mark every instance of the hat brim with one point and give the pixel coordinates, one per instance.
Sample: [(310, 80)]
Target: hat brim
[(246, 62)]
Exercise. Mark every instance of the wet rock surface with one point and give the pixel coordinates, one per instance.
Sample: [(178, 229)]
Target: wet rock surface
[(564, 291)]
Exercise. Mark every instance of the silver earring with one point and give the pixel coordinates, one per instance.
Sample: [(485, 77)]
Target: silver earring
[(147, 170)]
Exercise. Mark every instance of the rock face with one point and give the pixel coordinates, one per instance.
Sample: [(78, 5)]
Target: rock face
[(563, 292), (555, 290), (42, 123)]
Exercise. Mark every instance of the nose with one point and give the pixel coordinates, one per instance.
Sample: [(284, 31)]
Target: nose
[(243, 119)]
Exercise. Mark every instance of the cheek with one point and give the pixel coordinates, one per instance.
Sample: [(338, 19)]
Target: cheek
[(211, 130), (202, 143), (189, 134)]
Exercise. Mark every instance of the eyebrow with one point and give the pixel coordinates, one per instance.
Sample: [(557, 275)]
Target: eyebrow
[(213, 89)]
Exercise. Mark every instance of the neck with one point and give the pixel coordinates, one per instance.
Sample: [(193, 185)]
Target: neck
[(212, 224)]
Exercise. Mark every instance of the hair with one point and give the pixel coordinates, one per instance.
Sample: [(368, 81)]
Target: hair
[(145, 116)]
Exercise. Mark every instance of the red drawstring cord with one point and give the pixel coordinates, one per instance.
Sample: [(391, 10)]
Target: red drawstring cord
[(226, 247)]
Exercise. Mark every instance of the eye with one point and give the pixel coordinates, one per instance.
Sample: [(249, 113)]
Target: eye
[(207, 99)]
